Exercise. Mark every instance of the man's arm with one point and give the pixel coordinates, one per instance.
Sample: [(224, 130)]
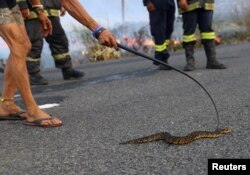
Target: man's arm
[(77, 11)]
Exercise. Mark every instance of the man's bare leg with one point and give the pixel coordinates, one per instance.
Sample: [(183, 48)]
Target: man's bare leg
[(16, 75), (8, 106)]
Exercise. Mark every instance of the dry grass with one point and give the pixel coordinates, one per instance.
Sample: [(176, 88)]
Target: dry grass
[(102, 53), (240, 17), (246, 15)]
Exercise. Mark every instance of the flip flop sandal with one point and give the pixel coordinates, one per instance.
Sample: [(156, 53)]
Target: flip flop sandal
[(39, 122), (19, 114), (16, 116)]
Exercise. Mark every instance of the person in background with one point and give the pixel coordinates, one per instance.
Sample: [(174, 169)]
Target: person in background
[(58, 41), (161, 17), (199, 12)]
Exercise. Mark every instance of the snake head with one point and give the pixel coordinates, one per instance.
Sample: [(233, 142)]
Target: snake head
[(225, 130)]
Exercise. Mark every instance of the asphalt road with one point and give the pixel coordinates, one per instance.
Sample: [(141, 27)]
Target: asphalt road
[(130, 98)]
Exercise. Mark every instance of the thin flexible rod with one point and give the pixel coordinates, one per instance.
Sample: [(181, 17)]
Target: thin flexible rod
[(177, 70)]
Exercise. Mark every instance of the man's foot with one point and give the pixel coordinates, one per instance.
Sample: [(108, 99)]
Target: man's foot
[(162, 56), (9, 110), (17, 116), (37, 117), (37, 79), (70, 73), (216, 65), (44, 122), (189, 67), (163, 67), (155, 63)]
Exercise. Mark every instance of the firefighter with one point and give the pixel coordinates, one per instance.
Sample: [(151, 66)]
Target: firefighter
[(161, 16), (58, 42), (198, 12)]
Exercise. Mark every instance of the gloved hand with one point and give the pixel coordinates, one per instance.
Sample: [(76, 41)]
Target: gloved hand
[(183, 4), (25, 13), (151, 7)]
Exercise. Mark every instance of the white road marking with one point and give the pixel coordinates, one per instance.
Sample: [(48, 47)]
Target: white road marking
[(46, 106), (17, 95)]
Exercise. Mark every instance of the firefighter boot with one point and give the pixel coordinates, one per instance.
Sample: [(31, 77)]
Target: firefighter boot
[(67, 70), (189, 52), (165, 56), (35, 77), (212, 63), (70, 73), (158, 56)]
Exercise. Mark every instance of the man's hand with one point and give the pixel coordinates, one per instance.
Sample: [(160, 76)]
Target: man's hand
[(25, 13), (62, 11), (106, 38), (46, 24), (151, 7), (183, 5)]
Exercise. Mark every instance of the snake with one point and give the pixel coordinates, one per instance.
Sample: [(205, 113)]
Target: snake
[(180, 140)]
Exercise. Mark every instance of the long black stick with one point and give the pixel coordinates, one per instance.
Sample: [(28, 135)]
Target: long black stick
[(178, 70)]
